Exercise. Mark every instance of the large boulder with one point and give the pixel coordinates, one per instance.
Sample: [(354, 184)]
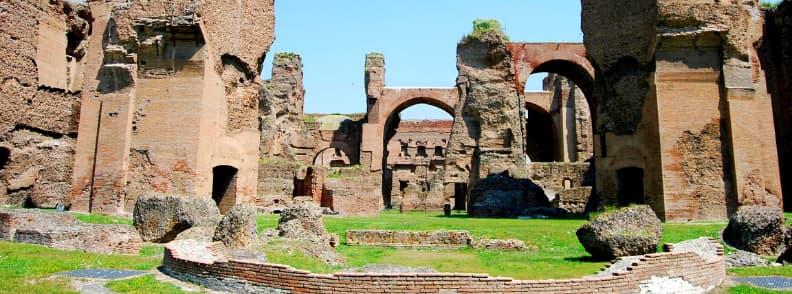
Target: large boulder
[(160, 218), (629, 231), (237, 229), (757, 229), (786, 253), (303, 222), (304, 225)]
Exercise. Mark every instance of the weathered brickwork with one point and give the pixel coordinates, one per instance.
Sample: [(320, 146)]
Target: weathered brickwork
[(432, 239), (63, 231), (224, 272)]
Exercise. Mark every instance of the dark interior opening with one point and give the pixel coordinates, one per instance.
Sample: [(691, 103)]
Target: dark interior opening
[(224, 187), (540, 135), (303, 187), (630, 186), (460, 196), (403, 186), (438, 151), (422, 151), (4, 155)]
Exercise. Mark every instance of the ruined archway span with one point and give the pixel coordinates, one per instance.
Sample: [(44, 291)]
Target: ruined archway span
[(408, 102), (344, 148), (565, 59)]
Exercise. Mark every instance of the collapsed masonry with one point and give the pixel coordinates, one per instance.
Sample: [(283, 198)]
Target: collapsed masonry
[(111, 99)]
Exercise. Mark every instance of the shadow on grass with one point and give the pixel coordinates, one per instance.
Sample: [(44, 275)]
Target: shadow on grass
[(585, 259)]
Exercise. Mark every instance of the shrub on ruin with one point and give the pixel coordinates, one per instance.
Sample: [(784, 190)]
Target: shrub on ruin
[(486, 26)]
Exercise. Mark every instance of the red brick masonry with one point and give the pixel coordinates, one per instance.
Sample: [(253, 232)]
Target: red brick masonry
[(252, 276)]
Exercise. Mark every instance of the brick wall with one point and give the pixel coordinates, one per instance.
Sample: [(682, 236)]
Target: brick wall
[(235, 275), (447, 239), (63, 231)]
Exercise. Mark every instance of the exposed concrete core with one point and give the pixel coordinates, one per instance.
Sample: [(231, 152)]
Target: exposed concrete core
[(488, 133)]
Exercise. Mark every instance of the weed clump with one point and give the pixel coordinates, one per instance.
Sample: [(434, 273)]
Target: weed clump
[(486, 26)]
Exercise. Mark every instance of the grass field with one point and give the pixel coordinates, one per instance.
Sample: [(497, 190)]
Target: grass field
[(28, 268), (560, 255)]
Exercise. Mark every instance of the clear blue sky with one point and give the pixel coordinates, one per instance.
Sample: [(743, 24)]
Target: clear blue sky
[(417, 37)]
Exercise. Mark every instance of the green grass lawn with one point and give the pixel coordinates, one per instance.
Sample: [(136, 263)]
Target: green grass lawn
[(26, 268), (143, 285), (560, 255)]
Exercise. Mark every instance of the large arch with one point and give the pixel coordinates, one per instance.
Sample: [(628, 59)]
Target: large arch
[(565, 59), (391, 101), (403, 98), (408, 173)]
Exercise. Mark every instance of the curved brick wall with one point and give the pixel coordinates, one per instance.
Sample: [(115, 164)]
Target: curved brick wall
[(225, 273)]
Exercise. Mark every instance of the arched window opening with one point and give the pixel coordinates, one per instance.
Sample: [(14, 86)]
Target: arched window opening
[(224, 182)]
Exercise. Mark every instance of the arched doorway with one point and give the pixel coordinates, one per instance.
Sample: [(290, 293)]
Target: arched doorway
[(224, 184), (415, 140)]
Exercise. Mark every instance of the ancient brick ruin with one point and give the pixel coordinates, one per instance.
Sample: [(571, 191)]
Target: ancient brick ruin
[(670, 104)]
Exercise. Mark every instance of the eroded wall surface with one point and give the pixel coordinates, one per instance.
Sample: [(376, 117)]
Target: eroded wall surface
[(172, 93), (42, 53), (682, 97)]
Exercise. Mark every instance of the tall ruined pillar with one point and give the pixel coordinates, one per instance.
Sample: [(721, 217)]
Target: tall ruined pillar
[(683, 113), (371, 149), (281, 106), (487, 137), (572, 118)]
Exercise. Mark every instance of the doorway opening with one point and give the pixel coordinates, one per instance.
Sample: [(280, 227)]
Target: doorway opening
[(224, 182), (630, 186)]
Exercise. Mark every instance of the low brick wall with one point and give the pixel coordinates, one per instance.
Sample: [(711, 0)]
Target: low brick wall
[(445, 239), (63, 231), (225, 273)]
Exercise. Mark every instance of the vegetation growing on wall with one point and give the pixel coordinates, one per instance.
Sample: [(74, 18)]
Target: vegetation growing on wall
[(484, 26), (769, 5)]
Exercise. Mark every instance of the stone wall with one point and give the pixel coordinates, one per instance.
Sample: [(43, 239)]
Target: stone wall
[(41, 75), (221, 272), (433, 239), (63, 231)]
